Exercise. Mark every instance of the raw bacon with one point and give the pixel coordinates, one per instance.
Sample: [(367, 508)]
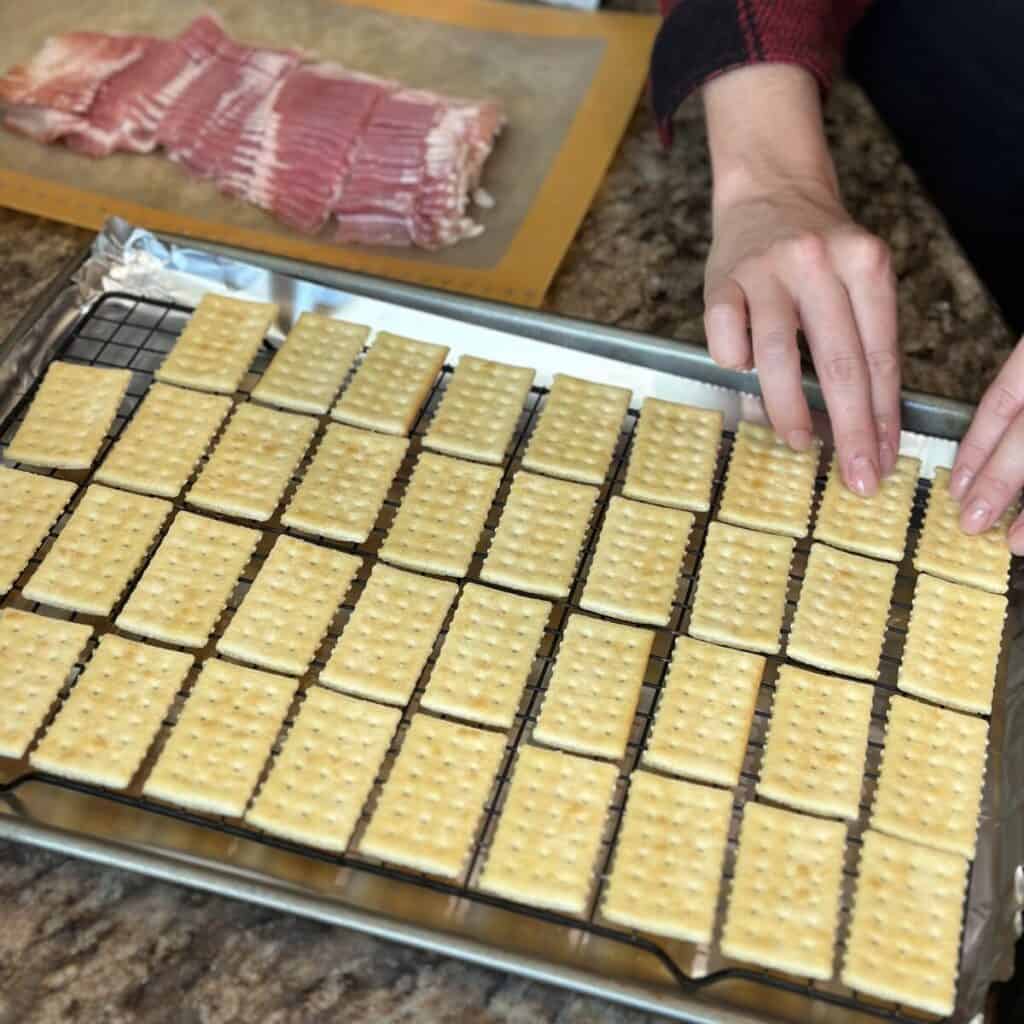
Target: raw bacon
[(311, 143)]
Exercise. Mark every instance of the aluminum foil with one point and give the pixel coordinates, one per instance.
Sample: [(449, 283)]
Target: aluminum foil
[(128, 259)]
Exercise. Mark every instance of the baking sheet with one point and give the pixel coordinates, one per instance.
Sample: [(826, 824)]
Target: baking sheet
[(135, 258), (568, 82)]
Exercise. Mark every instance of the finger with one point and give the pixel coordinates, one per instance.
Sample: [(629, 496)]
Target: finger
[(773, 325), (838, 356), (725, 324), (866, 273), (1017, 535), (1001, 403), (998, 482)]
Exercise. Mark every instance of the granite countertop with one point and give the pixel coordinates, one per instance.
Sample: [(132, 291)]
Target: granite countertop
[(80, 942)]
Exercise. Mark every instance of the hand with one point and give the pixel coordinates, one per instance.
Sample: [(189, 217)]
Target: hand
[(989, 469), (791, 257)]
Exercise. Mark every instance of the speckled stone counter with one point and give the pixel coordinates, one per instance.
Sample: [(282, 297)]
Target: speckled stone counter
[(82, 943)]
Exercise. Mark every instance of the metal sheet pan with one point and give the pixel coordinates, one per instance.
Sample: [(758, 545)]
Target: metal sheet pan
[(691, 984)]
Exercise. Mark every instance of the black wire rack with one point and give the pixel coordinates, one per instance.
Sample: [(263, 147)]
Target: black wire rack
[(125, 331)]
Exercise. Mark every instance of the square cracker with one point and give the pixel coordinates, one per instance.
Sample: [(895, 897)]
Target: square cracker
[(480, 409), (252, 464), (344, 488), (98, 552), (768, 486), (104, 728), (29, 506), (931, 777), (308, 370), (784, 906), (904, 941), (287, 610), (391, 384), (704, 713), (741, 588), (842, 612), (222, 739), (165, 439), (430, 808), (388, 638), (540, 535), (578, 429), (668, 859), (188, 581), (675, 451), (69, 417), (218, 344), (875, 526), (591, 697), (550, 829), (36, 656), (953, 642), (442, 515), (320, 781), (979, 560), (817, 740), (634, 574), (487, 656)]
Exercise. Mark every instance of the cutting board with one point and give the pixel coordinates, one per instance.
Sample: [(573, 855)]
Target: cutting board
[(569, 82)]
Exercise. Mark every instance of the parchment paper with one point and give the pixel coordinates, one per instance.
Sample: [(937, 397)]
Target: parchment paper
[(568, 83)]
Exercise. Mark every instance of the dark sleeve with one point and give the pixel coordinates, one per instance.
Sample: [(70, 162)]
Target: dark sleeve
[(703, 38)]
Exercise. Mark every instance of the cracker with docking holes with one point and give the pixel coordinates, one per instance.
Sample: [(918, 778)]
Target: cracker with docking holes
[(219, 342), (668, 858), (109, 720), (98, 552), (634, 574), (784, 905), (250, 468), (441, 516), (578, 429), (592, 694), (953, 642), (979, 560), (741, 588), (319, 783), (704, 713), (931, 777), (29, 505), (308, 370), (675, 451), (545, 847), (817, 740), (69, 417), (188, 582), (480, 409), (391, 384), (842, 612), (37, 655), (286, 612), (487, 656), (388, 638), (768, 486), (540, 535), (904, 941), (429, 811), (344, 488), (875, 526), (223, 737), (164, 441)]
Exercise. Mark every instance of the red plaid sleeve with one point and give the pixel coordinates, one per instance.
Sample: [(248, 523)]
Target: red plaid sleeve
[(703, 38)]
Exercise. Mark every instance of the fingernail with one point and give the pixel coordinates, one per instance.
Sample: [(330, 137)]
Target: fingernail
[(799, 440), (886, 457), (960, 482), (863, 476), (977, 516)]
